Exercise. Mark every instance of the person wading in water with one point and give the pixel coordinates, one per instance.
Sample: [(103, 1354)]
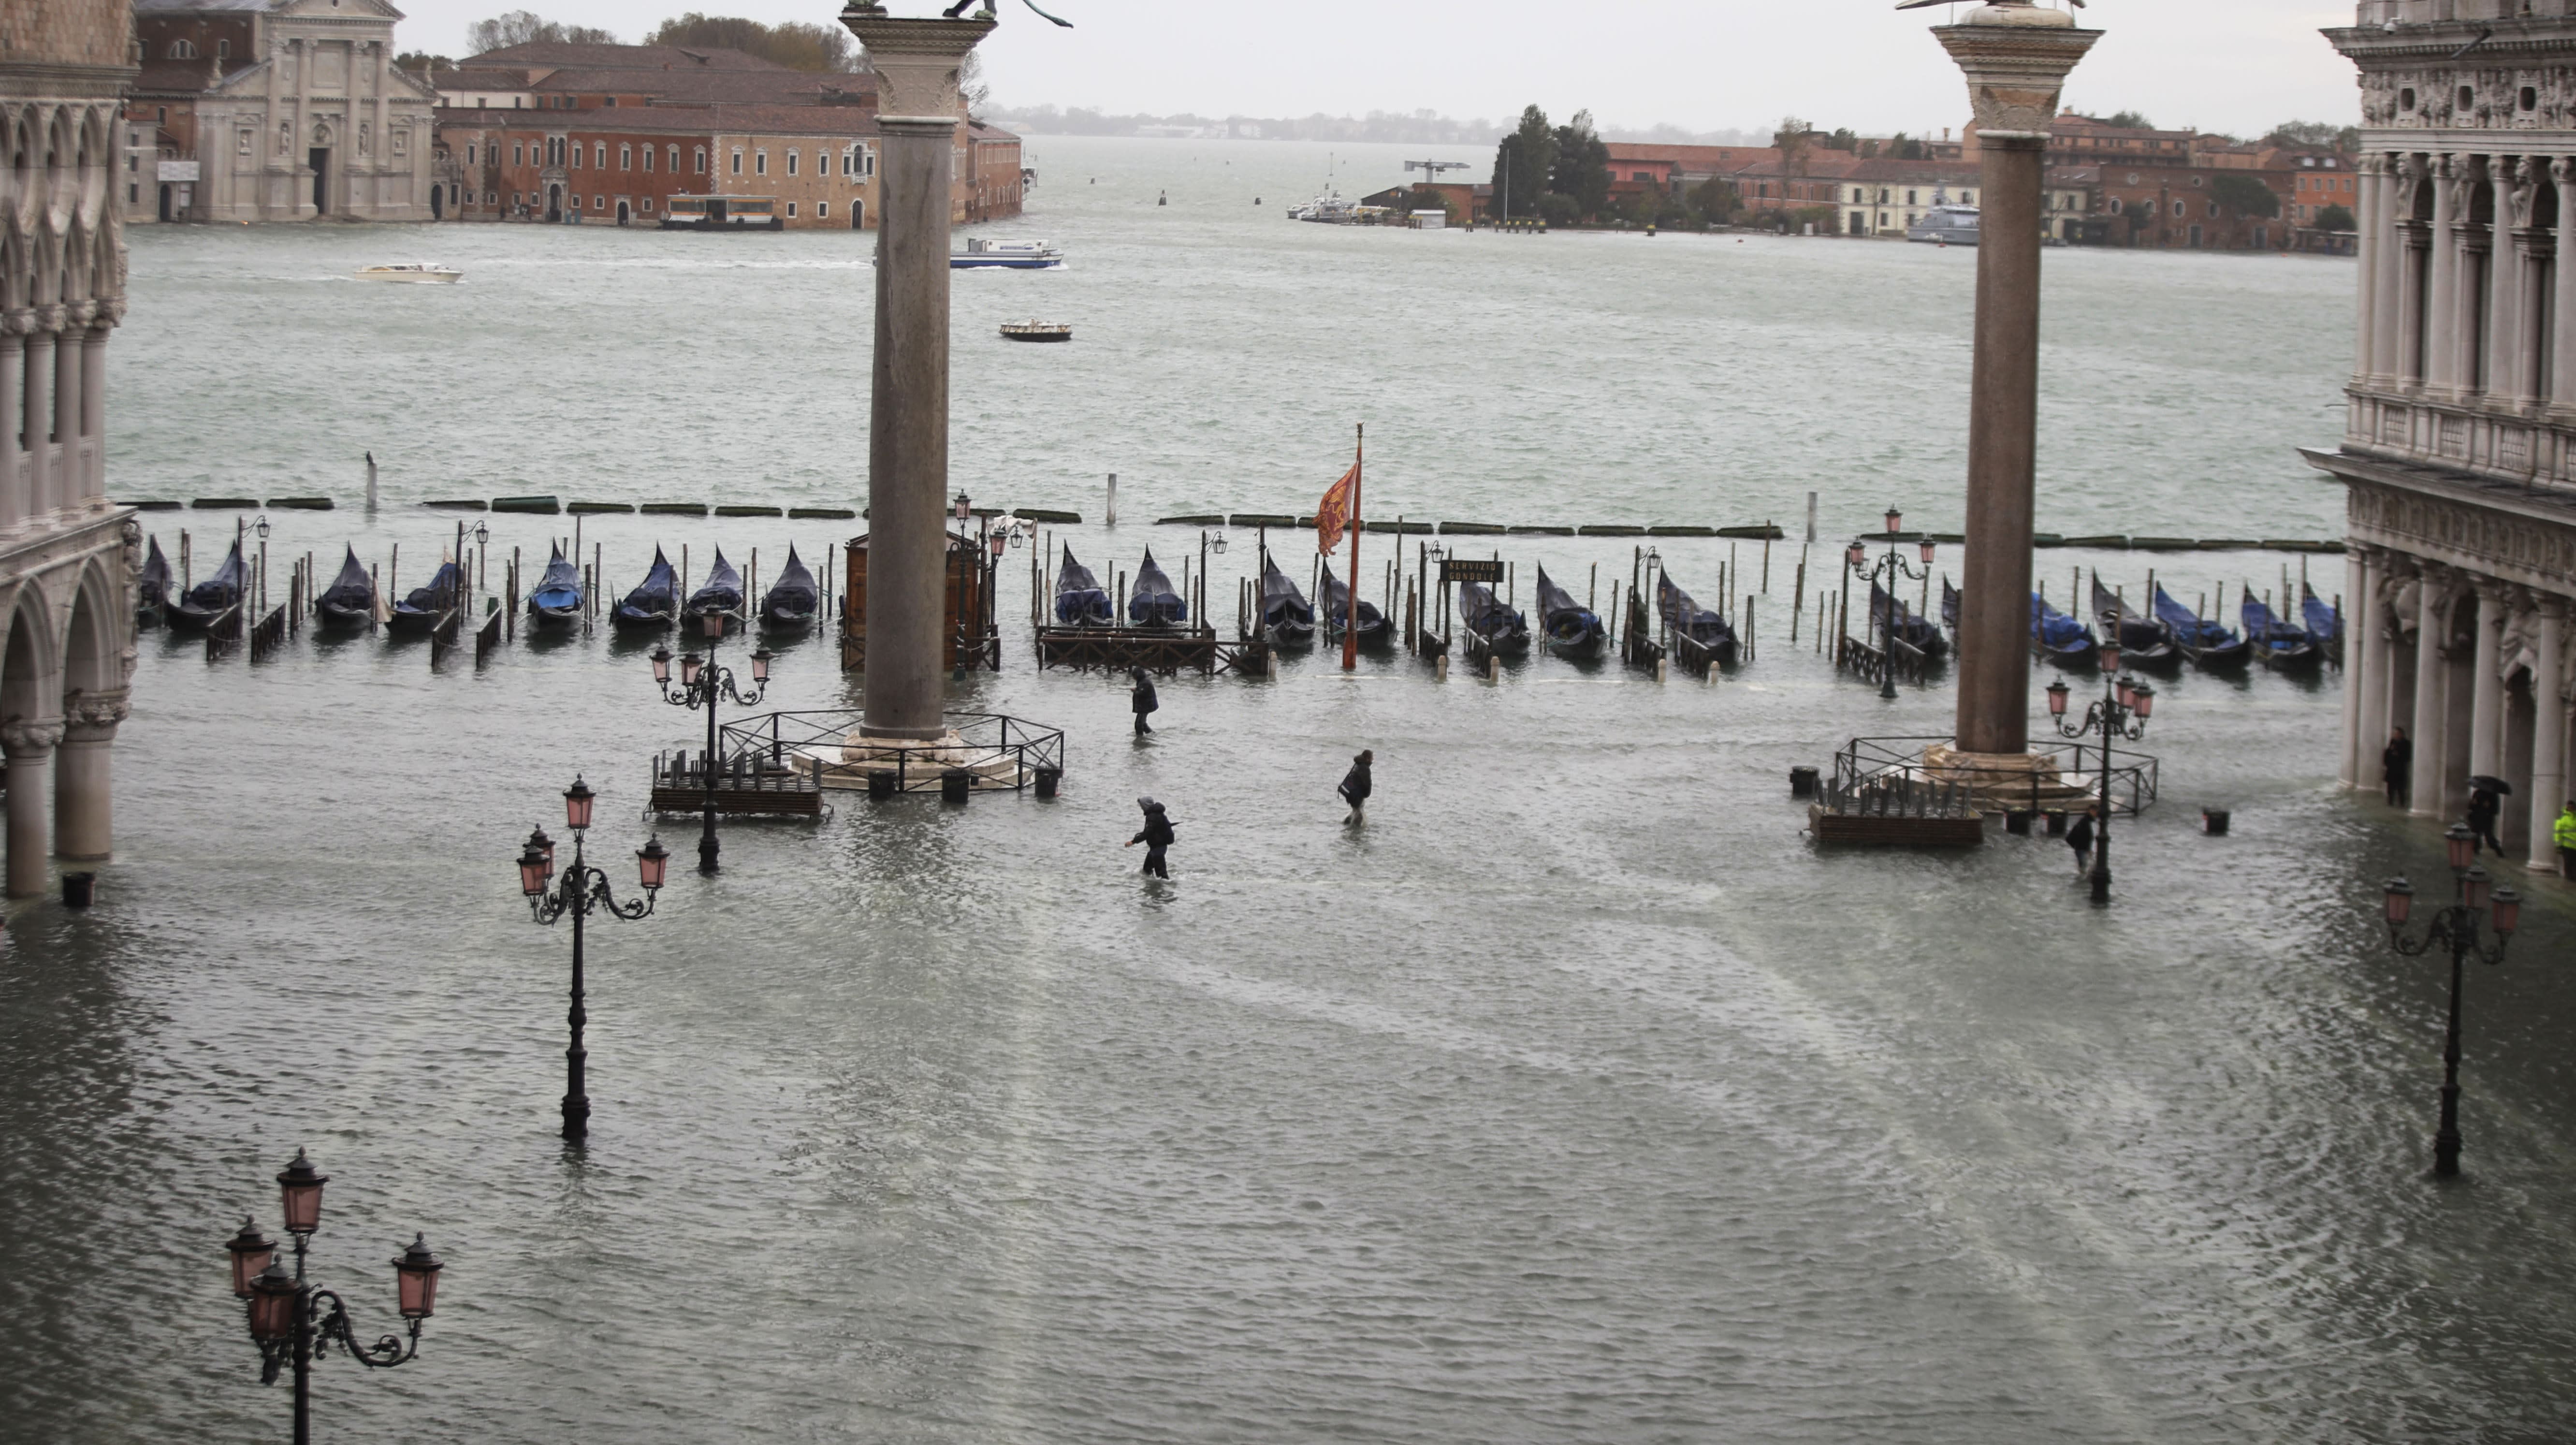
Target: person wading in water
[(1355, 788), (1156, 836), (2079, 837), (1141, 699), (2397, 767)]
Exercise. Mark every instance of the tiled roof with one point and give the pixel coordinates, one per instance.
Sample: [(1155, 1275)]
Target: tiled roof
[(149, 7), (773, 85), (622, 57)]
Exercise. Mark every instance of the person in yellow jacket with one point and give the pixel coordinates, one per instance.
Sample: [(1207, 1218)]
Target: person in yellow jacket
[(2567, 841)]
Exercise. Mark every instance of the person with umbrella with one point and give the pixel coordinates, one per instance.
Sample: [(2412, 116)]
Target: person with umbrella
[(2486, 800)]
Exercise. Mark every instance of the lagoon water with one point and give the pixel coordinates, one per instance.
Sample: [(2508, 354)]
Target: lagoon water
[(1576, 1098)]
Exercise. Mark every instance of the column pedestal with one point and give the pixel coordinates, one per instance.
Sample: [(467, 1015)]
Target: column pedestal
[(29, 747)]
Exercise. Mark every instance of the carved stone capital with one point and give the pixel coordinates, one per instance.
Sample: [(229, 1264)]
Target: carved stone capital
[(111, 312), (2493, 592), (2552, 606), (21, 322), (91, 717), (2016, 57), (30, 737), (77, 315), (917, 61), (49, 318)]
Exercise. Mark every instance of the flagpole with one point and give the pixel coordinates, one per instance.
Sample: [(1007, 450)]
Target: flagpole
[(1351, 613)]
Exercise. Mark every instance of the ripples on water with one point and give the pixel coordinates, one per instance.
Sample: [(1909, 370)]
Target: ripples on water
[(1574, 1099)]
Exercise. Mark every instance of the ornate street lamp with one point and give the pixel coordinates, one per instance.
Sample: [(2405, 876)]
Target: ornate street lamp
[(261, 526), (1890, 568), (2456, 928), (702, 685), (580, 891), (2122, 713), (293, 1321)]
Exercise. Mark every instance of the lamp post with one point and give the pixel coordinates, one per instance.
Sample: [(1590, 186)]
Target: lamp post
[(581, 890), (703, 684), (1891, 567), (2455, 927), (293, 1320), (2122, 713)]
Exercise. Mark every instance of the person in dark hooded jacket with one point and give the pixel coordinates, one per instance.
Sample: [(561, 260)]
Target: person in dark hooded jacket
[(1157, 835), (1141, 699), (1355, 788), (2079, 838)]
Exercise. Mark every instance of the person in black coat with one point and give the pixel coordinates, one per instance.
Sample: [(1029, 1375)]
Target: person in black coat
[(1141, 699), (1355, 788), (1156, 835), (2079, 837), (2484, 806), (2397, 767)]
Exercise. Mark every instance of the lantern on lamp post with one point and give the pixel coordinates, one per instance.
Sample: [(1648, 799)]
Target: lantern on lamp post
[(703, 685), (2123, 711), (580, 891), (1886, 611), (2476, 903)]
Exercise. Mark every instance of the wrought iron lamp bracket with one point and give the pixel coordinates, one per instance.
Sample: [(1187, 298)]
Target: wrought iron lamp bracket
[(388, 1350), (585, 890)]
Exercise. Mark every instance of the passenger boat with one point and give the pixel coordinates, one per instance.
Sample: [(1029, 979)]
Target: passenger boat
[(209, 600), (350, 600), (152, 597), (2144, 641), (2277, 644), (2057, 637), (722, 213), (1886, 612), (1484, 614), (654, 603), (1152, 602), (1946, 225), (983, 255), (793, 600), (1567, 627), (1687, 618), (1079, 600), (1336, 601), (2325, 623), (1039, 331), (557, 596), (417, 273), (1287, 618), (428, 606), (2207, 644), (721, 597)]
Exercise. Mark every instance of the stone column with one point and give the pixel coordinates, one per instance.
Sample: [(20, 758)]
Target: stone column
[(29, 746), (2399, 179), (2359, 577), (2562, 310), (2497, 330), (2373, 182), (383, 158), (916, 62), (2365, 628), (2431, 697), (2016, 58), (37, 397), (2441, 310), (84, 814), (93, 491), (14, 507), (2548, 734), (299, 195), (70, 351), (2486, 694)]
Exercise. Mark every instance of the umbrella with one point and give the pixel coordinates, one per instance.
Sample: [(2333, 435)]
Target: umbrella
[(2497, 786)]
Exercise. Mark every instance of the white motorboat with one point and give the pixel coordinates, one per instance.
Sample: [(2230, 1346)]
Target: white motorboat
[(1946, 225), (419, 273), (981, 254)]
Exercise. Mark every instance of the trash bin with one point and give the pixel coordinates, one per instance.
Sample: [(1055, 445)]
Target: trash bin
[(2213, 821), (1802, 782), (2057, 823), (79, 889), (2017, 822), (1048, 779), (955, 784), (881, 783)]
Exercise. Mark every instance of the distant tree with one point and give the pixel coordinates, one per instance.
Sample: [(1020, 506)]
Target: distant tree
[(2128, 120), (2336, 218), (523, 27), (1714, 199), (422, 63), (2324, 135), (1558, 210), (1582, 169), (1522, 164), (1911, 150), (796, 44), (2244, 195), (1841, 140)]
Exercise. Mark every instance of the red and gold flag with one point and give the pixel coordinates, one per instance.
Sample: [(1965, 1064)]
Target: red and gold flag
[(1333, 514)]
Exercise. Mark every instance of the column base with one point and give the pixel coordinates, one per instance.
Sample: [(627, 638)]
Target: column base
[(2003, 782)]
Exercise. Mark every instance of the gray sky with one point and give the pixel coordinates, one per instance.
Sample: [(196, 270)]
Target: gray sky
[(2228, 65)]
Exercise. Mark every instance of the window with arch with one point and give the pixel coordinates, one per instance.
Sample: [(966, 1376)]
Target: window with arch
[(183, 50), (702, 160), (675, 160), (760, 162), (599, 156), (223, 50), (737, 163), (626, 158), (791, 162), (649, 154)]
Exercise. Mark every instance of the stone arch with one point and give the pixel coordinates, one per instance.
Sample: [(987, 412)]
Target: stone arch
[(30, 678), (93, 647)]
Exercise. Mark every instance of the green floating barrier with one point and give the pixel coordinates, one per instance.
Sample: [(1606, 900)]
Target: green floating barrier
[(455, 506), (2046, 539), (1610, 531), (1955, 539), (226, 504), (1213, 519), (1407, 528), (531, 506), (1041, 514), (2164, 544), (301, 504), (822, 514), (675, 509), (2107, 543), (1541, 531), (746, 511), (1681, 531), (1767, 532), (1306, 522), (155, 505), (2214, 544), (2277, 544), (593, 509), (1470, 529), (1263, 519)]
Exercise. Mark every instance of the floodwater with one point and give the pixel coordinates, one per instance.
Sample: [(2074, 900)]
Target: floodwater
[(1574, 1098)]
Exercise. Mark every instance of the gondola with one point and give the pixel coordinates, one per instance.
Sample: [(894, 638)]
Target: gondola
[(2144, 641), (1567, 628), (1483, 613), (212, 598), (1152, 602), (152, 600), (1950, 608), (2206, 643), (1079, 602), (1337, 611), (2057, 637), (1688, 619), (558, 596), (2325, 623), (2277, 644), (427, 606), (1287, 618), (1915, 632), (721, 597), (794, 600), (656, 603), (350, 600)]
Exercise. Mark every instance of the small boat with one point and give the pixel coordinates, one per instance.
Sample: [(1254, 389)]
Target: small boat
[(1567, 627), (1688, 619), (1950, 608), (1036, 331), (1079, 600), (557, 596), (982, 255), (1152, 602), (2325, 623), (209, 600), (350, 600), (1337, 611), (417, 273), (1913, 631), (655, 603), (428, 606), (2144, 641), (1483, 613), (2057, 637), (793, 600), (2276, 644), (1287, 618), (152, 597), (722, 594), (2206, 643), (1947, 224)]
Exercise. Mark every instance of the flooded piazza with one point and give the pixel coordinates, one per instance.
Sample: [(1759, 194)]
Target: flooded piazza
[(1577, 1097)]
